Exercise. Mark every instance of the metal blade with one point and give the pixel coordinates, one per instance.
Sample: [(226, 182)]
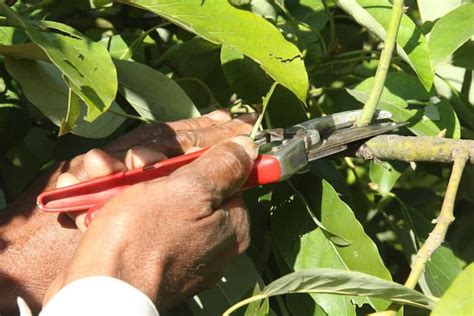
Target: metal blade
[(337, 141)]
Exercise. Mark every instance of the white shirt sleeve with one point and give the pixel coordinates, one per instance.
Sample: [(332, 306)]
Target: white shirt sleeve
[(99, 295)]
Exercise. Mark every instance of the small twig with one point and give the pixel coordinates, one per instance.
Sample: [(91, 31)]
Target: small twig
[(266, 99), (384, 64), (437, 236)]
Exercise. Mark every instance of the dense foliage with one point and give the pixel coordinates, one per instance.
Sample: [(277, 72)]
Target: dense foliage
[(76, 74)]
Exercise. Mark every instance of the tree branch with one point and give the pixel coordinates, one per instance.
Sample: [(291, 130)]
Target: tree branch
[(437, 236), (384, 64), (421, 148)]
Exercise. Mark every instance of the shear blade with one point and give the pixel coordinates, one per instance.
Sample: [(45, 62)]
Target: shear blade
[(338, 140)]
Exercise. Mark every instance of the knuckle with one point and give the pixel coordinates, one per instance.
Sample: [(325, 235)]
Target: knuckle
[(189, 139)]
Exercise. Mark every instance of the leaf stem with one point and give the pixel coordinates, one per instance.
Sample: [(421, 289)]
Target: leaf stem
[(266, 99), (438, 234), (389, 44), (243, 303)]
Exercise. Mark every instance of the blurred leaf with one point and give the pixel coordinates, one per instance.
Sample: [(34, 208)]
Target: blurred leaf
[(384, 176), (14, 120), (462, 57), (258, 308), (297, 237), (152, 94), (87, 65), (450, 32), (458, 298), (344, 283), (240, 278), (411, 44), (42, 84), (197, 69), (11, 36), (219, 22), (311, 12), (100, 3), (430, 12), (400, 89), (23, 162)]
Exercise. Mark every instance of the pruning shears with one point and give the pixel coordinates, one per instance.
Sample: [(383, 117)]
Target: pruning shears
[(283, 152)]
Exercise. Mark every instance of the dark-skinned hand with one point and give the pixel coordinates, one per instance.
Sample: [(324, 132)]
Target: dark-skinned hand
[(36, 249)]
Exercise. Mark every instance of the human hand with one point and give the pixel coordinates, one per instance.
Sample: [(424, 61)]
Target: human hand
[(173, 236), (36, 248)]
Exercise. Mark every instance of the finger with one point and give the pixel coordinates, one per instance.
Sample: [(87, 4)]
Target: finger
[(209, 120), (220, 171), (209, 136), (66, 179), (139, 157), (98, 163), (165, 131)]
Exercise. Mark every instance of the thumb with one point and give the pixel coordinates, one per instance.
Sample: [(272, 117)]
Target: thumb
[(220, 171)]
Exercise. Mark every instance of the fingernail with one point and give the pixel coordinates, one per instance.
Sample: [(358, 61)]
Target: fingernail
[(249, 118), (219, 115), (247, 144)]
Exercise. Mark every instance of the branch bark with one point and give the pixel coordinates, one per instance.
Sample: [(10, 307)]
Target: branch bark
[(421, 148)]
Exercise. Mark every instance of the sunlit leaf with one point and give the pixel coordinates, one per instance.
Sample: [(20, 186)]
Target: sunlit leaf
[(86, 64), (43, 85), (458, 298), (344, 283), (297, 237), (219, 22), (450, 32)]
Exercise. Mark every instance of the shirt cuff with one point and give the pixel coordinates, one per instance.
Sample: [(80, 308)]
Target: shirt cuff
[(99, 295)]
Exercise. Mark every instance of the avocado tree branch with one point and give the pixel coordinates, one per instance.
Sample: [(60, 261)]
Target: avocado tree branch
[(425, 149), (410, 148), (384, 64)]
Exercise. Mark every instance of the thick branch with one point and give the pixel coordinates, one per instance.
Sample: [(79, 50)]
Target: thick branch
[(422, 148)]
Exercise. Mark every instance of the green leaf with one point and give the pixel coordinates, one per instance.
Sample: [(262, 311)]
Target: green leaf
[(219, 22), (244, 75), (462, 57), (152, 94), (72, 115), (450, 32), (238, 280), (342, 283), (43, 86), (87, 65), (297, 238), (412, 46), (258, 308), (458, 298), (384, 175), (400, 90)]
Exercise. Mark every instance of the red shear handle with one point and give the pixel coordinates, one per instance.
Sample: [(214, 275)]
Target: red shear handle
[(86, 195)]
